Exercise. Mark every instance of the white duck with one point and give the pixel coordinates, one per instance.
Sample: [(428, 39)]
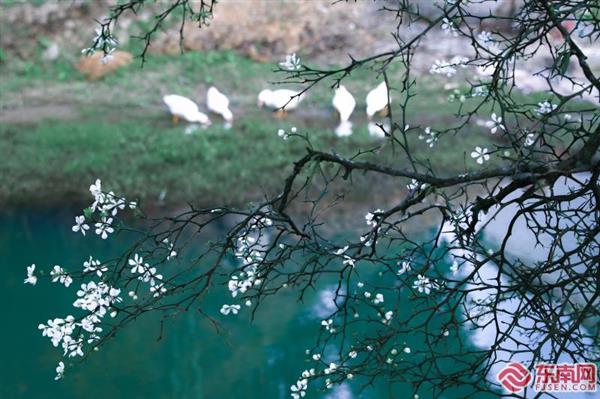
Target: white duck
[(344, 103), (377, 100), (218, 103), (281, 100), (182, 107)]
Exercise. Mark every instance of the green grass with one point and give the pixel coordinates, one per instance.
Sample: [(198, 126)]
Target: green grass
[(56, 161)]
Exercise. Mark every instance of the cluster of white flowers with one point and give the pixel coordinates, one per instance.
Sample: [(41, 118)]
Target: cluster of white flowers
[(416, 185), (449, 28), (328, 324), (546, 107), (529, 139), (31, 278), (430, 137), (80, 225), (442, 68), (424, 285), (370, 218), (448, 68), (480, 91), (59, 274), (102, 41), (250, 253), (233, 309), (495, 124), (284, 135), (148, 274), (404, 267), (484, 37), (480, 155), (387, 317), (486, 41), (170, 246), (96, 298), (108, 206), (457, 95), (341, 251), (348, 260), (366, 241), (60, 371), (298, 390), (94, 266), (291, 63)]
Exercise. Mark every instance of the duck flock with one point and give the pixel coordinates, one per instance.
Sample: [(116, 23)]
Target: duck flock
[(280, 102)]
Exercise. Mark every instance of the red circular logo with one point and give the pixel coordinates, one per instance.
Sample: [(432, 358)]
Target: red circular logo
[(514, 377)]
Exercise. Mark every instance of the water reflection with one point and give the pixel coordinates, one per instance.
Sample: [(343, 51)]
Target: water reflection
[(193, 360), (378, 129), (524, 245), (344, 129), (326, 302)]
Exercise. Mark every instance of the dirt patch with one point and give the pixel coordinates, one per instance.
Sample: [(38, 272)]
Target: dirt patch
[(36, 114)]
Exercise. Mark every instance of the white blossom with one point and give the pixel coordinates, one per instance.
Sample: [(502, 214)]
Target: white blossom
[(406, 350), (96, 189), (378, 299), (298, 390), (170, 246), (103, 228), (495, 123), (331, 368), (138, 264), (416, 185), (530, 139), (430, 137), (348, 261), (546, 107), (80, 225), (423, 285), (448, 27), (281, 133), (93, 265), (442, 67), (484, 37), (340, 251), (291, 63), (480, 155), (60, 371), (60, 275), (370, 218), (31, 278), (233, 309), (404, 267), (328, 325)]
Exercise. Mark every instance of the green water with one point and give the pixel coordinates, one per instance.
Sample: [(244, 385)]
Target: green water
[(244, 360)]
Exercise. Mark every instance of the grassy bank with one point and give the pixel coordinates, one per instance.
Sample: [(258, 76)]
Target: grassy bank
[(117, 129)]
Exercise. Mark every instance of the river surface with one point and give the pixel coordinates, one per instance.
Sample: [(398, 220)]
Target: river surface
[(244, 360)]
